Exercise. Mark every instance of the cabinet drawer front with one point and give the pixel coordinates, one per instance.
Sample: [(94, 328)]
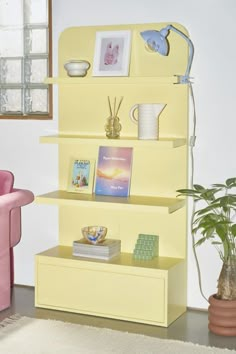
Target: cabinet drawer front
[(101, 293)]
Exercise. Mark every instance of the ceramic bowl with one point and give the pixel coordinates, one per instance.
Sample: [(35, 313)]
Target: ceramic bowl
[(94, 234), (77, 67)]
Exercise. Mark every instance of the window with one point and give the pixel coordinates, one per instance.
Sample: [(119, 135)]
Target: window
[(25, 59)]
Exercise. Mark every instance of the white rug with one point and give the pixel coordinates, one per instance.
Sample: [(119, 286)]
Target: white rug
[(35, 336)]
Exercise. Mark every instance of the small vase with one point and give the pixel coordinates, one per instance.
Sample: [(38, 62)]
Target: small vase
[(222, 316), (113, 127)]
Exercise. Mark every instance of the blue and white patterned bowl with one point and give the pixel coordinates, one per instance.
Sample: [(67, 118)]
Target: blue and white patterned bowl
[(94, 234)]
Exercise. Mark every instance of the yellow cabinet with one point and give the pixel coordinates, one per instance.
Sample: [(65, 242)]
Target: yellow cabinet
[(121, 288), (153, 291)]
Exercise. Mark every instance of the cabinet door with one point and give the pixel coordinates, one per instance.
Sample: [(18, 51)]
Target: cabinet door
[(102, 293)]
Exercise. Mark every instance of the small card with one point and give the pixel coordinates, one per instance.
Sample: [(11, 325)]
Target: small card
[(81, 176)]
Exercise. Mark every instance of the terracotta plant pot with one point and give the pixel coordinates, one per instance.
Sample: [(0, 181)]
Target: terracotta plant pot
[(222, 316)]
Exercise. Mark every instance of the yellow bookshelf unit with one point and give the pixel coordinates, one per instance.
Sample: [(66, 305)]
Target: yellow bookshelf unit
[(150, 291)]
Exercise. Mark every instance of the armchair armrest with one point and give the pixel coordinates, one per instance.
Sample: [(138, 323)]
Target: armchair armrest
[(17, 198)]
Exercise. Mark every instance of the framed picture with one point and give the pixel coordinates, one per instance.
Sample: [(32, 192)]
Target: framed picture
[(81, 176), (112, 53)]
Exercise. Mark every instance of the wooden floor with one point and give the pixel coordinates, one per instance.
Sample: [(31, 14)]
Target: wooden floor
[(190, 327)]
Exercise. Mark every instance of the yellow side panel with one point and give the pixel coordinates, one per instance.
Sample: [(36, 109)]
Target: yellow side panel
[(177, 294)]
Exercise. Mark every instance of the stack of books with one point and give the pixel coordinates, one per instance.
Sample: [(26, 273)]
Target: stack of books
[(107, 249)]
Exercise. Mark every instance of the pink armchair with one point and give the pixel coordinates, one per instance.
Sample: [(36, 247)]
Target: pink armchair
[(11, 201)]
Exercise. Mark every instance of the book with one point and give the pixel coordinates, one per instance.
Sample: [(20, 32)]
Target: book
[(113, 172), (106, 249), (104, 257), (81, 176)]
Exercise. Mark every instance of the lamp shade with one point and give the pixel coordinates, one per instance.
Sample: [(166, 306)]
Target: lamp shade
[(156, 41)]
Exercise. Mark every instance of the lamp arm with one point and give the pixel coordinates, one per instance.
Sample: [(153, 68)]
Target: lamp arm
[(185, 78)]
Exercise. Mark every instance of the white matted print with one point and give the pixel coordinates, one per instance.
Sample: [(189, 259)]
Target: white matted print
[(112, 53)]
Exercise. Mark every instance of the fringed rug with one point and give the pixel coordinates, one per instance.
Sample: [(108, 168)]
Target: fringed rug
[(23, 335)]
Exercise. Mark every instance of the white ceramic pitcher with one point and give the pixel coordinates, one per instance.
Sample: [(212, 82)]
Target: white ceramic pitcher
[(147, 119)]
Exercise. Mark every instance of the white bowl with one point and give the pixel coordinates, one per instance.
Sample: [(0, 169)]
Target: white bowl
[(77, 67)]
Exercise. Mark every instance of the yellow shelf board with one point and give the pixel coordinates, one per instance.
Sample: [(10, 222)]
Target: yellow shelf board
[(143, 203), (124, 259), (113, 80), (101, 140)]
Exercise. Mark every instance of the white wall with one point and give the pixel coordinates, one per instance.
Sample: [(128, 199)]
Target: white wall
[(211, 27)]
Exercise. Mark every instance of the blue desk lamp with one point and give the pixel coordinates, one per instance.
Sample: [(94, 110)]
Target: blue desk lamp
[(156, 42)]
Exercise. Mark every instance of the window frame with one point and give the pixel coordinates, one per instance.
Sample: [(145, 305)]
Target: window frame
[(49, 114)]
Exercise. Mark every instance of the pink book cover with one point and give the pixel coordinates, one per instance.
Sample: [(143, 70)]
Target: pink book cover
[(113, 173)]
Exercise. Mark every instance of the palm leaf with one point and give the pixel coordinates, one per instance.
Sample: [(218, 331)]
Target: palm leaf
[(233, 230), (231, 182)]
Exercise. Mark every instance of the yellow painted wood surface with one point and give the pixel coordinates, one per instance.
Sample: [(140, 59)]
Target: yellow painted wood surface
[(121, 288), (101, 140), (144, 203), (159, 169)]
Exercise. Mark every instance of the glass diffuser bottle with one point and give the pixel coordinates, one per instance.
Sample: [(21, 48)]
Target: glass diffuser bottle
[(113, 126)]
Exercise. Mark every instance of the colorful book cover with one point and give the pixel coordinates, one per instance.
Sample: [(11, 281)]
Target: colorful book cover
[(81, 176), (113, 172)]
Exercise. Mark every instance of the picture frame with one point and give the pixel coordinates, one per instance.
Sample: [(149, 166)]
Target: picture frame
[(112, 53), (81, 175)]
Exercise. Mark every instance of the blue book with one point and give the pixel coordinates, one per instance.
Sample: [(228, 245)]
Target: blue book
[(113, 173)]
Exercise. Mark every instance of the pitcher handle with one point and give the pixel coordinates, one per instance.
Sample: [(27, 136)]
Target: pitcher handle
[(131, 114)]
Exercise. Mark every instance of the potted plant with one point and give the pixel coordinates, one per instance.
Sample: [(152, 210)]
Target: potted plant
[(213, 221)]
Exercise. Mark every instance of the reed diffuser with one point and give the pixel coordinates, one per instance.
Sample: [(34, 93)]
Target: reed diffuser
[(113, 126)]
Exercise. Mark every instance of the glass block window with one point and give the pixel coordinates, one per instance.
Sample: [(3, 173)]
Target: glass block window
[(25, 59)]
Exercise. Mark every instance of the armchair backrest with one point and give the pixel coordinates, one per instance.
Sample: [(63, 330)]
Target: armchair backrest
[(11, 201), (6, 182), (6, 186)]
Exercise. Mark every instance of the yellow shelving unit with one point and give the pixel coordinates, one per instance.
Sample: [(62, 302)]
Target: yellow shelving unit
[(152, 292)]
